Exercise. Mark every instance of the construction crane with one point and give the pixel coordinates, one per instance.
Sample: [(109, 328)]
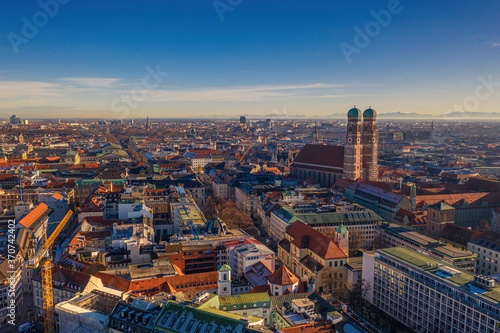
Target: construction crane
[(246, 152), (42, 258), (21, 183)]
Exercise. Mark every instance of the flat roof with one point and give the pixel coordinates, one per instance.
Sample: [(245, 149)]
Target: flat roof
[(458, 278), (432, 244)]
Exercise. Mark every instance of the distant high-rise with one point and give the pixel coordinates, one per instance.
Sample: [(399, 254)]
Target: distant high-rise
[(15, 120), (147, 123), (268, 123), (243, 120)]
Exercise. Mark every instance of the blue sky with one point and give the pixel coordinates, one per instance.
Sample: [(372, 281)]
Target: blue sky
[(92, 57)]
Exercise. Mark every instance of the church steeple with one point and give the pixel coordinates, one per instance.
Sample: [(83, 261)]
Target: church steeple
[(370, 145), (224, 281), (353, 148), (316, 133), (342, 239)]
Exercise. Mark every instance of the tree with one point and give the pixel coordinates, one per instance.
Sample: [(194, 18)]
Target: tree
[(331, 279), (483, 226), (355, 242), (357, 293), (379, 242), (229, 213)]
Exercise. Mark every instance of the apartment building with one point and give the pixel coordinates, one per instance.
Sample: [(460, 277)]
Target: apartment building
[(359, 221), (394, 235), (247, 255), (428, 295), (487, 248), (309, 253)]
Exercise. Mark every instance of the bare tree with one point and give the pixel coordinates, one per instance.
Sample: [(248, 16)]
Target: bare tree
[(331, 279), (228, 212), (357, 293), (355, 242), (379, 242), (483, 226)]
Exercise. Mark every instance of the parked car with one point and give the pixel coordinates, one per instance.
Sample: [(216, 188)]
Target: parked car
[(26, 327)]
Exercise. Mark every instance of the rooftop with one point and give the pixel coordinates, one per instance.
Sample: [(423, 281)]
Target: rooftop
[(439, 270), (430, 243), (245, 298)]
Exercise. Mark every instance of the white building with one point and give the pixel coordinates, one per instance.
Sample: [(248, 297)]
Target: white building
[(197, 160), (427, 295), (87, 312), (224, 280), (249, 254), (66, 283), (487, 248)]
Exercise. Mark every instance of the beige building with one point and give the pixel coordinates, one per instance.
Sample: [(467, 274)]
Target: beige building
[(310, 254), (487, 248)]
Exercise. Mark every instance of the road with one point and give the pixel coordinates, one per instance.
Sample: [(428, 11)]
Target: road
[(259, 234)]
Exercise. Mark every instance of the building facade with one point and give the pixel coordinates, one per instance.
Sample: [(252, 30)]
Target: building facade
[(487, 248), (427, 295)]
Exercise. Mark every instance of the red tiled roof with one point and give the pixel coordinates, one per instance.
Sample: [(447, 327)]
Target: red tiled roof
[(321, 155), (306, 237), (96, 234), (32, 216), (113, 281), (50, 159), (459, 199), (173, 284), (65, 275), (67, 184), (93, 206), (57, 196), (414, 218), (241, 242), (171, 165), (7, 177), (283, 277), (261, 289), (147, 286), (316, 327), (194, 281), (458, 234)]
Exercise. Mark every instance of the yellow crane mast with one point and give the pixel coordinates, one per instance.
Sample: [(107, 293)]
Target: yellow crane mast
[(42, 258)]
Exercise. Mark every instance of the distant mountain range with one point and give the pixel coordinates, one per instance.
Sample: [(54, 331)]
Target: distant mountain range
[(456, 115)]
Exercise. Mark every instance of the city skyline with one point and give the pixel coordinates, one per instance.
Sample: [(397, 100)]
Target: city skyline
[(225, 59)]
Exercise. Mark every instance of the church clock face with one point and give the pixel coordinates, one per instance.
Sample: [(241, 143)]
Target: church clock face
[(349, 139), (359, 140)]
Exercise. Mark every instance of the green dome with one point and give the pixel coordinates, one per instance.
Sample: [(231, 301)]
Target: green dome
[(354, 113), (369, 113), (341, 229), (224, 268)]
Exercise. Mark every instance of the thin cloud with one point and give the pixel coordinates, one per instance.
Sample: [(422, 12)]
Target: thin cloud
[(28, 89), (92, 81), (243, 94), (493, 44), (69, 90)]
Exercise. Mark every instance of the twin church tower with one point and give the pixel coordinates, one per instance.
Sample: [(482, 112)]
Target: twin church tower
[(361, 149)]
